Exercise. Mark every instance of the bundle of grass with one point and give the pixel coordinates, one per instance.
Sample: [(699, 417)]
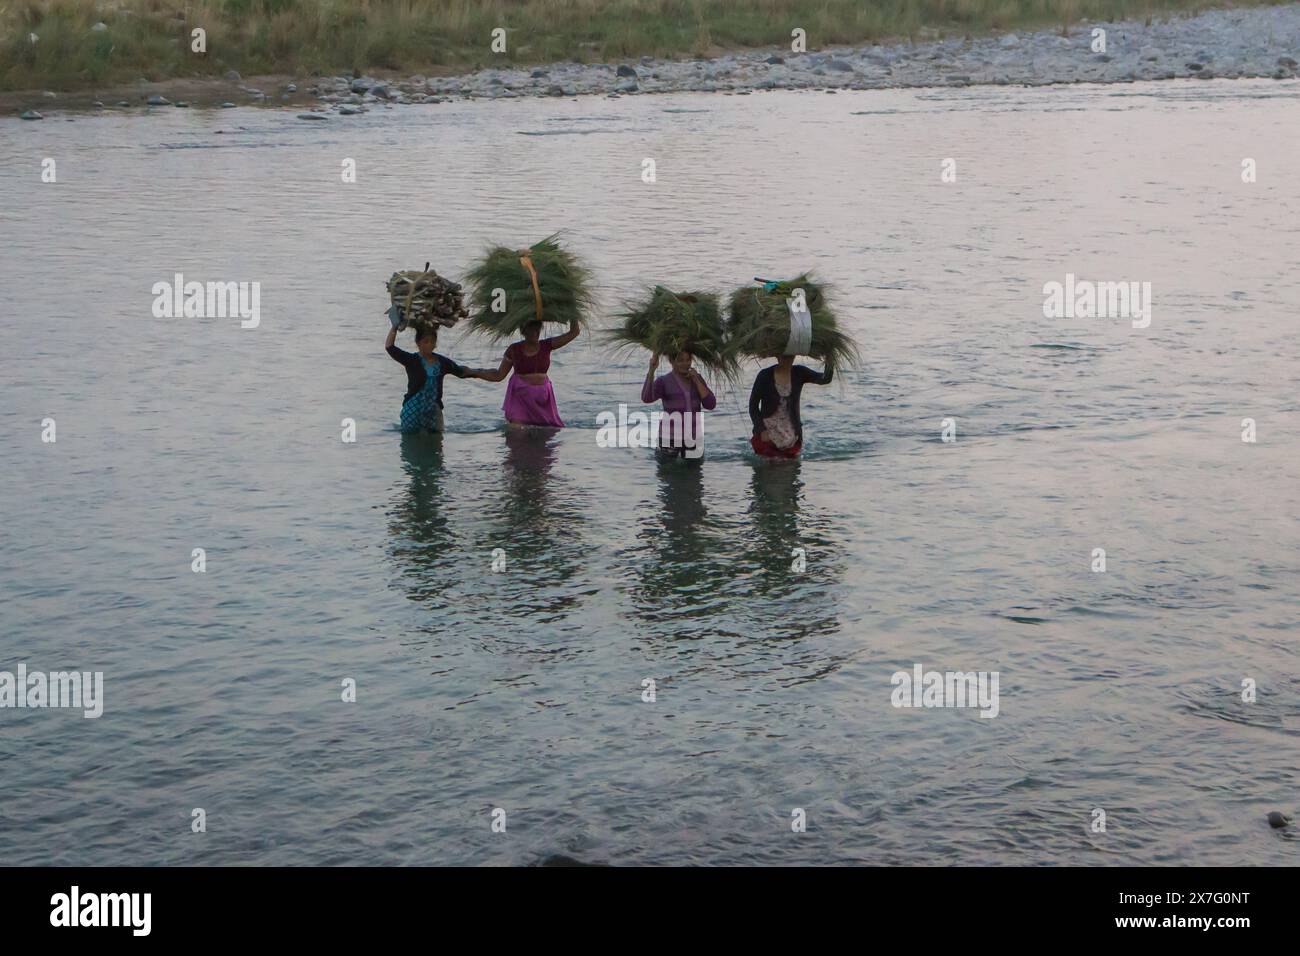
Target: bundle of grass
[(512, 287), (424, 299), (759, 323), (667, 322)]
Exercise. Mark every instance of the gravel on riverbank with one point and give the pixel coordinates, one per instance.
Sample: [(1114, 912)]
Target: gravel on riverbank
[(1233, 43)]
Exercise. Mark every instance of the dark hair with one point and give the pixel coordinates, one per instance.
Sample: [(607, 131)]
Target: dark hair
[(532, 324), (423, 332)]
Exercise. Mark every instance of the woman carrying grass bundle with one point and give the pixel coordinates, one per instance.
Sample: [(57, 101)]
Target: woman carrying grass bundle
[(517, 291), (425, 370), (684, 393), (685, 326), (530, 397), (782, 320), (774, 406)]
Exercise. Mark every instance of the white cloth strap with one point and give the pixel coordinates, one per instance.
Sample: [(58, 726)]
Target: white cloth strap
[(800, 340)]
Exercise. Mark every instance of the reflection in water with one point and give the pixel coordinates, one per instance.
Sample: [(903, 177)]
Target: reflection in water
[(683, 560), (700, 572), (681, 499), (418, 527), (530, 456), (776, 487), (515, 546), (422, 465), (799, 555), (538, 524)]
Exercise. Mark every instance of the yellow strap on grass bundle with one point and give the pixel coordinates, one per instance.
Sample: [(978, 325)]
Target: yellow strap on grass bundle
[(526, 261)]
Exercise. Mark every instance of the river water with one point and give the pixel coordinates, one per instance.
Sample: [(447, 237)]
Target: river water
[(521, 689)]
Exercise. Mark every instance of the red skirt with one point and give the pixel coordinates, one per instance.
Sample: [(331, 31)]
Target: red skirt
[(768, 450)]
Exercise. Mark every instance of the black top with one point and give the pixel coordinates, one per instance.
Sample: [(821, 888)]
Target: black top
[(764, 399), (415, 374)]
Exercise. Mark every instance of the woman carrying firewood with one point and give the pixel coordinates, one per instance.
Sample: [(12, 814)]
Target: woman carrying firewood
[(425, 371)]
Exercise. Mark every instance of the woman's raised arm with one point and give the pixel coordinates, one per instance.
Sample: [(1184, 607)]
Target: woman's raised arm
[(649, 389), (561, 341)]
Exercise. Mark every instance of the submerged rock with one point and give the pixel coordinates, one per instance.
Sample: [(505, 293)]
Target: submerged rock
[(158, 100), (31, 115), (1277, 819)]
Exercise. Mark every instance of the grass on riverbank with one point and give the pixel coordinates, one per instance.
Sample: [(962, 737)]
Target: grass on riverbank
[(152, 38)]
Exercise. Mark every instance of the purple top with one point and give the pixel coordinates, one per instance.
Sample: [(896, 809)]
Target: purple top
[(681, 397), (677, 396)]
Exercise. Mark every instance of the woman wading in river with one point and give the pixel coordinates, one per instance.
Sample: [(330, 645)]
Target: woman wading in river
[(684, 395), (774, 406), (530, 398), (425, 371)]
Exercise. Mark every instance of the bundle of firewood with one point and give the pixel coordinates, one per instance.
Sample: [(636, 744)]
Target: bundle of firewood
[(424, 298)]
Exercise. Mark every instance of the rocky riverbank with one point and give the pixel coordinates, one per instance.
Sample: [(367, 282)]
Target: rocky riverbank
[(1234, 43)]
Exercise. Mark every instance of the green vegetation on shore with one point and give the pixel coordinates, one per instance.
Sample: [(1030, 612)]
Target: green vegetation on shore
[(151, 38)]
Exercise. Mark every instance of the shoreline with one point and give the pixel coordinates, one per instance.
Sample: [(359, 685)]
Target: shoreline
[(1235, 43)]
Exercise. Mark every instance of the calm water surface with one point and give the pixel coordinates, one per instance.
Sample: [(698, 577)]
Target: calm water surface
[(521, 690)]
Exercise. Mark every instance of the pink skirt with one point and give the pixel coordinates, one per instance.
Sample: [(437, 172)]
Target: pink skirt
[(531, 404)]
